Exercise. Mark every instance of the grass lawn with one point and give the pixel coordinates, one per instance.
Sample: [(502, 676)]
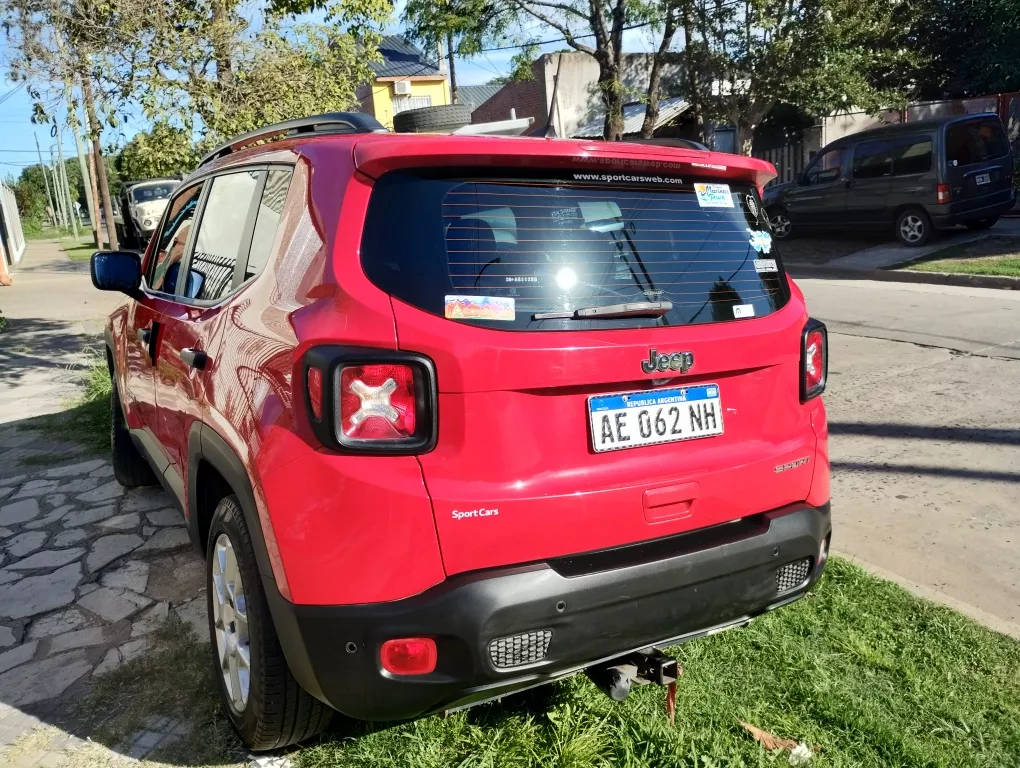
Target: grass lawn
[(87, 419), (861, 669), (78, 252), (992, 256)]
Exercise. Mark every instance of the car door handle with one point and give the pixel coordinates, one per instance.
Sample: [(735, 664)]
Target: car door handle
[(148, 338), (196, 358)]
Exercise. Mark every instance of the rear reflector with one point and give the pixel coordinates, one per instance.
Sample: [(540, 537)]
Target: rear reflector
[(377, 402), (945, 194), (814, 363), (409, 656)]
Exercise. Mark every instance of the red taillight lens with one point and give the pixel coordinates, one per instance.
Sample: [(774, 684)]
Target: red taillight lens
[(409, 656), (814, 364), (315, 391), (377, 402), (945, 194)]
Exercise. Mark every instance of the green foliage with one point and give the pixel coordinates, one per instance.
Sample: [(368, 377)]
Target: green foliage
[(972, 47), (30, 189), (470, 22), (164, 150)]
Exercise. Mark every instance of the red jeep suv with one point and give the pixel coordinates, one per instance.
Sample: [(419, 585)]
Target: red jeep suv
[(455, 416)]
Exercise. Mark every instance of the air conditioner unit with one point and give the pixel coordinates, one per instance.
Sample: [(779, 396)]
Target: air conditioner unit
[(402, 87)]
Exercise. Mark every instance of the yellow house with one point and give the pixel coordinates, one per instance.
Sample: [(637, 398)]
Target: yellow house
[(404, 79)]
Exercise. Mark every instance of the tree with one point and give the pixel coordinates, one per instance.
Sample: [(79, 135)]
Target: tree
[(972, 47), (672, 10), (822, 55), (606, 21), (164, 150), (462, 26), (206, 72)]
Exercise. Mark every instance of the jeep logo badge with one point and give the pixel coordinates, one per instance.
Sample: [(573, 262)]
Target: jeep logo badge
[(678, 361)]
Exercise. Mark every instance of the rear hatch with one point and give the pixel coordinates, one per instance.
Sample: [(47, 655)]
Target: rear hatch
[(617, 356), (979, 166)]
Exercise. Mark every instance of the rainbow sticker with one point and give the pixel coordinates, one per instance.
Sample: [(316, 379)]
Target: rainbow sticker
[(479, 308)]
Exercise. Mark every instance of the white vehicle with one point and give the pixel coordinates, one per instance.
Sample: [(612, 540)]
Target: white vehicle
[(142, 204)]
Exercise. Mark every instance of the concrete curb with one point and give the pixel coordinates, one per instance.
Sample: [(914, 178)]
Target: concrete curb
[(892, 276)]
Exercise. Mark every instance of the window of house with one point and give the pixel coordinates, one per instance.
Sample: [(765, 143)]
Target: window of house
[(173, 239), (873, 160), (404, 103), (220, 235), (912, 155), (268, 220)]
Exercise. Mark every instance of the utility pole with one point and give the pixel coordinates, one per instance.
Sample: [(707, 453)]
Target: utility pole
[(58, 188), (45, 178), (72, 123), (95, 198), (67, 187)]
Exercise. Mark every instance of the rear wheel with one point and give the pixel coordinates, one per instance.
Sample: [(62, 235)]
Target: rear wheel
[(913, 227), (985, 223), (779, 221), (264, 702), (129, 466)]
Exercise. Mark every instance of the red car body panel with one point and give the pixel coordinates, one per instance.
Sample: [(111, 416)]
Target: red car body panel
[(513, 436)]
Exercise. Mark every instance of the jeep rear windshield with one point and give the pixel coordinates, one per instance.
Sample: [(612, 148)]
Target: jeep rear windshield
[(497, 252)]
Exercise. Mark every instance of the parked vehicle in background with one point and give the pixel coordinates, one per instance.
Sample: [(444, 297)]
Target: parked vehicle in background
[(141, 205), (909, 178), (454, 416)]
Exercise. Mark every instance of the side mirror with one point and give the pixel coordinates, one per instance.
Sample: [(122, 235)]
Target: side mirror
[(117, 271)]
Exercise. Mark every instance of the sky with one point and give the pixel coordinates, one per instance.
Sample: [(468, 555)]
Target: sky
[(17, 142)]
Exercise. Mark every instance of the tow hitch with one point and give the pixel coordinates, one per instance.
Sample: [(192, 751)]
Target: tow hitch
[(614, 678)]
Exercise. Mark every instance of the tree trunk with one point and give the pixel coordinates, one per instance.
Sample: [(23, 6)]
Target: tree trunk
[(453, 72), (612, 97), (104, 184), (655, 76), (690, 73), (745, 137), (221, 44), (96, 218)]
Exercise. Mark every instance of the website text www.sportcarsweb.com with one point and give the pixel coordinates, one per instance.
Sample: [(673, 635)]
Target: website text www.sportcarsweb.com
[(627, 177)]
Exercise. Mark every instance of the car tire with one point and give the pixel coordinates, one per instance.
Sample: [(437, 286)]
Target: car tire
[(780, 224), (913, 228), (129, 466), (264, 703), (448, 117), (985, 223)]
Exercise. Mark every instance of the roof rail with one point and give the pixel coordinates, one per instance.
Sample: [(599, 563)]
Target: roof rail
[(331, 122)]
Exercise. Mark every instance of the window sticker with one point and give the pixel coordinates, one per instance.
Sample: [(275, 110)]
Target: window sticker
[(479, 308), (743, 310), (752, 206), (765, 265), (760, 241), (714, 195)]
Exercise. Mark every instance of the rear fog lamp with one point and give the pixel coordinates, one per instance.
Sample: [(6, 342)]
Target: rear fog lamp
[(315, 391), (409, 656)]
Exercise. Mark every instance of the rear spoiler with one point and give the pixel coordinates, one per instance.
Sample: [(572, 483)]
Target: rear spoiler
[(374, 157)]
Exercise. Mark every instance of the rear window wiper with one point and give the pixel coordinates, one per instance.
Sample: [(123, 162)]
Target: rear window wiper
[(633, 309)]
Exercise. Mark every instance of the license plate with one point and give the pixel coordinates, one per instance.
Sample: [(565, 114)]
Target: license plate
[(983, 178), (649, 418)]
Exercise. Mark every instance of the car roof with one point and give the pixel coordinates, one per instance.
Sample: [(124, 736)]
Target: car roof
[(375, 153), (918, 126)]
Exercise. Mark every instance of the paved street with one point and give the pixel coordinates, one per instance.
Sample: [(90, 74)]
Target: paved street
[(924, 410)]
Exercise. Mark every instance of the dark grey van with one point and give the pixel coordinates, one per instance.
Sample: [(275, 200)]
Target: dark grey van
[(908, 178)]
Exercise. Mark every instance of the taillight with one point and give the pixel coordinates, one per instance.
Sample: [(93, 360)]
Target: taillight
[(945, 194), (371, 401), (409, 656), (814, 360), (377, 402)]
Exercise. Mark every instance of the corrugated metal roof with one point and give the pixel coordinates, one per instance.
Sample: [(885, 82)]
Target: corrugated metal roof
[(402, 59), (476, 95), (633, 118)]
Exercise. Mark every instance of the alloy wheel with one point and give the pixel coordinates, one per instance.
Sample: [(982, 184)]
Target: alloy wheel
[(911, 228), (780, 224), (230, 618)]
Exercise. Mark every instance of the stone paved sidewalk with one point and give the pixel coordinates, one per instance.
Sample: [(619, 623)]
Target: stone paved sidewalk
[(87, 572)]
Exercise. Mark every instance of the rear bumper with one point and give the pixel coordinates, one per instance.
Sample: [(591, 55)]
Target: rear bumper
[(596, 606), (964, 211)]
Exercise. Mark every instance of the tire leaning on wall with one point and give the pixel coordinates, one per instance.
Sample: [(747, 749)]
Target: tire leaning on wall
[(443, 119)]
